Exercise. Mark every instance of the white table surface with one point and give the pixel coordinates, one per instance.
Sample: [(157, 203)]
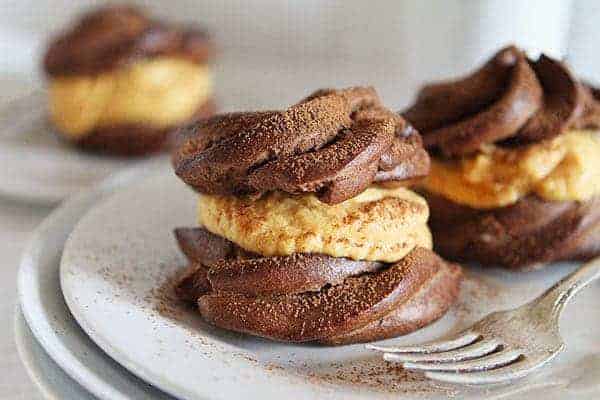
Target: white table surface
[(17, 221)]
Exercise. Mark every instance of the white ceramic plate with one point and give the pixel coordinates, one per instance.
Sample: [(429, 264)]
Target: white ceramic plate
[(47, 315), (37, 166), (47, 375), (121, 252)]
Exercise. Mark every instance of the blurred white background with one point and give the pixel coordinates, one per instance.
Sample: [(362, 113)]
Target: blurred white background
[(274, 51)]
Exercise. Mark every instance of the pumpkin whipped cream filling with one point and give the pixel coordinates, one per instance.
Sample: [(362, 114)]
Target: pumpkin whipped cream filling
[(380, 224), (306, 229), (565, 168), (515, 172), (119, 81)]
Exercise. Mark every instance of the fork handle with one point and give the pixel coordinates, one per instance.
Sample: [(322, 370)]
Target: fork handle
[(559, 295)]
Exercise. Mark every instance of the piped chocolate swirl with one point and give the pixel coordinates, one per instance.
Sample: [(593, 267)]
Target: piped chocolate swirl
[(515, 176), (297, 240), (334, 143), (111, 37), (313, 297), (120, 82), (509, 99), (525, 235)]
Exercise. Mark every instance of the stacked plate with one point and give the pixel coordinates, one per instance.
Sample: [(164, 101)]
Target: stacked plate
[(37, 166), (98, 322)]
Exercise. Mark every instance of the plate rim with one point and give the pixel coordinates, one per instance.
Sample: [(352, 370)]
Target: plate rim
[(18, 189), (94, 195), (28, 284), (287, 384), (26, 343), (148, 367)]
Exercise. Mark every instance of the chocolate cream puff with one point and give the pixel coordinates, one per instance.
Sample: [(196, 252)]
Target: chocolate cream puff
[(515, 174), (307, 231), (119, 81)]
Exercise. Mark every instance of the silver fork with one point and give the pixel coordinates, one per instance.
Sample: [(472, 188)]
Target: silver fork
[(502, 346)]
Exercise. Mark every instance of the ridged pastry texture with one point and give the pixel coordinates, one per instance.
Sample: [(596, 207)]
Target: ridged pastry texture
[(115, 36), (118, 77), (312, 297), (307, 233), (525, 235), (335, 143), (511, 100), (515, 180)]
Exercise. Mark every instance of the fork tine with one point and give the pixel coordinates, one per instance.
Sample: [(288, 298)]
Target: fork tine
[(513, 371), (463, 339), (494, 360), (474, 350)]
